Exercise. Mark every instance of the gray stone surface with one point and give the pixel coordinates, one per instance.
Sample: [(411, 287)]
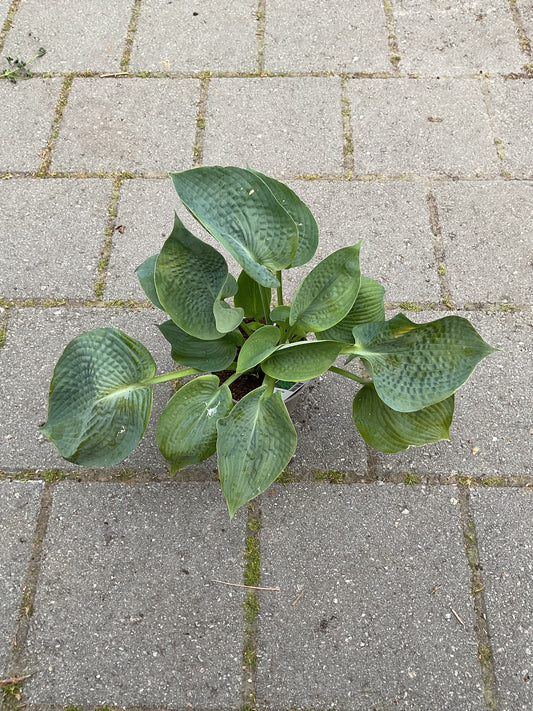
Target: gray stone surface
[(504, 527), (392, 219), (19, 506), (513, 106), (73, 34), (463, 37), (277, 125), (126, 612), (305, 35), (53, 234), (187, 37), (28, 109), (429, 127), (128, 124), (491, 434), (526, 14), (367, 633), (35, 340), (327, 436), (476, 238)]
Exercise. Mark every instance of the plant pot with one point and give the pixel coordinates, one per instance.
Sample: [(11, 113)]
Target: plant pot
[(293, 395)]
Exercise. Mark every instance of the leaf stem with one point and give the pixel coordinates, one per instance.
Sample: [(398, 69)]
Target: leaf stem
[(280, 288), (266, 309), (347, 374), (171, 376), (270, 382)]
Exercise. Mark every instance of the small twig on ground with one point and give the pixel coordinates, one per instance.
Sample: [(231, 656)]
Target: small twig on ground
[(239, 585), (115, 74), (455, 613), (299, 596), (14, 680)]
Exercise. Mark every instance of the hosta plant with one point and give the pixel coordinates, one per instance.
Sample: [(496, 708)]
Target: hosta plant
[(101, 391)]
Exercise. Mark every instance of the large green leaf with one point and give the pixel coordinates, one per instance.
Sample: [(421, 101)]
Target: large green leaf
[(189, 277), (258, 347), (300, 213), (239, 210), (387, 430), (255, 443), (145, 274), (252, 297), (187, 429), (416, 365), (197, 353), (302, 360), (367, 307), (328, 292), (99, 406)]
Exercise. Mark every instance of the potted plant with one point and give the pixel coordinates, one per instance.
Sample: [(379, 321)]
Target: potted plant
[(101, 392)]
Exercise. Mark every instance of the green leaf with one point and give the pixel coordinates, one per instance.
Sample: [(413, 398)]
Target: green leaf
[(255, 443), (189, 276), (237, 209), (300, 213), (227, 318), (258, 347), (187, 429), (302, 360), (197, 353), (99, 404), (230, 287), (279, 314), (252, 297), (416, 365), (387, 430), (145, 274), (328, 292), (367, 307)]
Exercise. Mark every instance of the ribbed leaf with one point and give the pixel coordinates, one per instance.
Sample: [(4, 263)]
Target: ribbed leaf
[(280, 313), (230, 287), (416, 365), (328, 292), (390, 431), (255, 443), (187, 429), (368, 307), (302, 360), (238, 209), (300, 213), (99, 408), (189, 276), (252, 297), (145, 274), (258, 347), (197, 353)]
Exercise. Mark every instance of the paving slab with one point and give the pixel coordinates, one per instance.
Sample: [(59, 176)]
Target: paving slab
[(392, 218), (53, 237), (135, 124), (504, 529), (278, 125), (126, 612), (526, 14), (512, 102), (456, 38), (35, 340), (491, 434), (477, 238), (327, 436), (28, 109), (367, 633), (73, 34), (427, 127), (19, 507), (306, 36), (185, 37)]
